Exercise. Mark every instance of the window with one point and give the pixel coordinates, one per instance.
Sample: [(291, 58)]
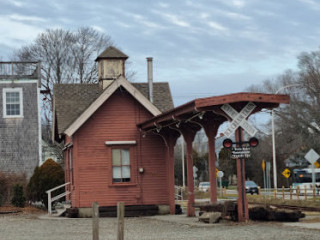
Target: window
[(121, 165), (12, 102)]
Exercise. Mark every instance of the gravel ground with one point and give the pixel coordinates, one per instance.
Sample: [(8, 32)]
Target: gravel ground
[(40, 227)]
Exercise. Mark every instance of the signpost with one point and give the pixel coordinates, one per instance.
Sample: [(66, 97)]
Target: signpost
[(263, 166), (195, 175), (286, 173), (240, 152), (312, 156), (268, 167), (220, 175)]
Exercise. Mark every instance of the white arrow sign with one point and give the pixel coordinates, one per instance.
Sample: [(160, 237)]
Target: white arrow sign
[(239, 119)]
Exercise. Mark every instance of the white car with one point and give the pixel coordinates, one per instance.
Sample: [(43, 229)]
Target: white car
[(204, 186)]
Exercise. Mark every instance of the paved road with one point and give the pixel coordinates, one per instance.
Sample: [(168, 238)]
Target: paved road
[(31, 227)]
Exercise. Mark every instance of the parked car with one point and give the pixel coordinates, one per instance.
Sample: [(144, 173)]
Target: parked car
[(204, 186), (251, 187)]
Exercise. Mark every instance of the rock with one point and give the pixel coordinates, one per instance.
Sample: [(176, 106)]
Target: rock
[(210, 217)]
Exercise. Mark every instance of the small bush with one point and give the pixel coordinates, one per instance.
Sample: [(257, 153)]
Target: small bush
[(18, 199), (46, 177), (7, 181)]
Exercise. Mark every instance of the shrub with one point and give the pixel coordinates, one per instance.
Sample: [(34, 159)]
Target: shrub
[(7, 181), (18, 198), (46, 177)]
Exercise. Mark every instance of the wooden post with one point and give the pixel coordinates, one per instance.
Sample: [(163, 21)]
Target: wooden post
[(282, 192), (275, 193), (313, 193), (243, 210), (290, 192), (305, 192), (95, 221), (211, 128), (171, 139), (189, 137), (120, 214)]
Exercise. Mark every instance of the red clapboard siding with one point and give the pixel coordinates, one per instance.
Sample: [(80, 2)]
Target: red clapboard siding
[(116, 120)]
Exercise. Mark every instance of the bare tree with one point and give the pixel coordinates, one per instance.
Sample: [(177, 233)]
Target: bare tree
[(66, 57), (297, 125)]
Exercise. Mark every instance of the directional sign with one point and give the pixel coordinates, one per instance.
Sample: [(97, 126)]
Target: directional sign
[(316, 164), (286, 173), (239, 119)]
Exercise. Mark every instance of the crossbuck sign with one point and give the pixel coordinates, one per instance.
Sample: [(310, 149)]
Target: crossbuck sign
[(239, 119)]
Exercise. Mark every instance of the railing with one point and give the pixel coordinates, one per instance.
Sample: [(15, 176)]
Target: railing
[(298, 193), (52, 199)]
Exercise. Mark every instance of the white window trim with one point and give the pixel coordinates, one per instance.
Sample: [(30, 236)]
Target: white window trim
[(4, 91)]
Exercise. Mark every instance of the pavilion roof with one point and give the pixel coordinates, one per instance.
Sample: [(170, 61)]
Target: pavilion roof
[(201, 110)]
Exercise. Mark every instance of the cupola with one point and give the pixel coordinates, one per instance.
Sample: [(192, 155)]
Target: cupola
[(111, 65)]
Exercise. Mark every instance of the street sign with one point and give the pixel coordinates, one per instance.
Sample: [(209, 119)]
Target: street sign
[(263, 165), (312, 156), (316, 164), (217, 170), (195, 170), (240, 152), (286, 173), (239, 119), (220, 174)]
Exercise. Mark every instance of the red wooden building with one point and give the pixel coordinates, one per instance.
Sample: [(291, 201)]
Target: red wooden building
[(119, 136), (107, 159)]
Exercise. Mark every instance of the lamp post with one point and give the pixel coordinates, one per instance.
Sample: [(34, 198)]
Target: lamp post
[(273, 139)]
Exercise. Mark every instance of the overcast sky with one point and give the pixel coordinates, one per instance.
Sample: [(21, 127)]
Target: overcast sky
[(202, 48)]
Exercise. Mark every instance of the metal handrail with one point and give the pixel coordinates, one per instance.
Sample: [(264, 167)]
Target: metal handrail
[(51, 199)]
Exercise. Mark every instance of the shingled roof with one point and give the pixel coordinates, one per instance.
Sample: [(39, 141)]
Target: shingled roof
[(71, 100), (111, 52)]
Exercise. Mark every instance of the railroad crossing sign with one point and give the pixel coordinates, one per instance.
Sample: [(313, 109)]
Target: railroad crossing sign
[(286, 173), (239, 119)]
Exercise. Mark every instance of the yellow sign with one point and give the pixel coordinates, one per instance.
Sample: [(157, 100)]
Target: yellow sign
[(263, 165), (217, 170), (317, 164), (286, 173)]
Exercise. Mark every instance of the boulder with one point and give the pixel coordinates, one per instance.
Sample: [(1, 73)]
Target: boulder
[(210, 217)]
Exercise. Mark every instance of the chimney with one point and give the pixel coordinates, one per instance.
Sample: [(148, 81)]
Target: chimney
[(150, 79)]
